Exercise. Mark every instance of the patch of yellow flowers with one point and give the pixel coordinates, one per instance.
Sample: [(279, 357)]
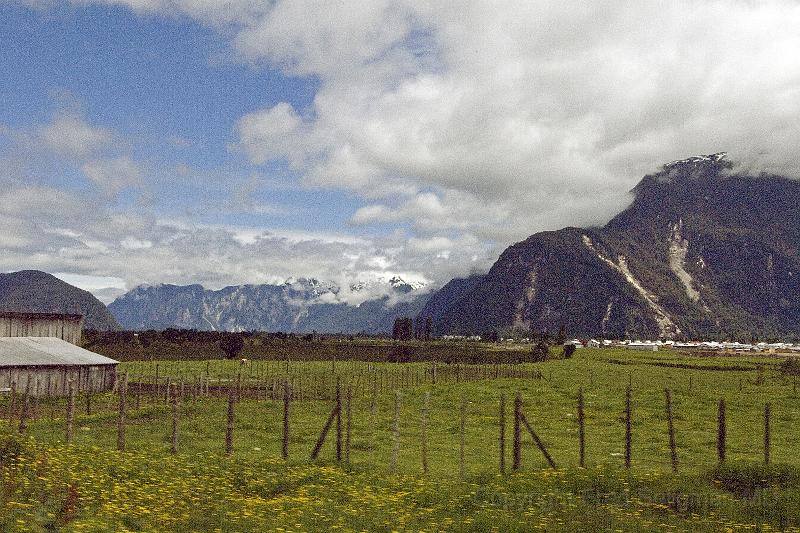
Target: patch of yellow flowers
[(70, 488)]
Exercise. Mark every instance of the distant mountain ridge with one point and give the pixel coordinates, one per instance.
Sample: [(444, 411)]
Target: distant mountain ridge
[(298, 305), (702, 251), (33, 291)]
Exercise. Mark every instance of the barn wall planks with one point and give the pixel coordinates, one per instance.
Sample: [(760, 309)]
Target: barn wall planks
[(54, 380), (66, 327)]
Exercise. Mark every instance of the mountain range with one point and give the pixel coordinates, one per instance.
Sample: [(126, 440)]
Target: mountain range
[(298, 305), (702, 251)]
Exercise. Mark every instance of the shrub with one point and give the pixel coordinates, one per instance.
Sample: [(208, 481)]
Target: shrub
[(569, 351), (745, 479), (540, 352), (790, 367), (10, 448)]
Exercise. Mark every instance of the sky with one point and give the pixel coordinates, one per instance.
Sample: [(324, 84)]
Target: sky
[(224, 142)]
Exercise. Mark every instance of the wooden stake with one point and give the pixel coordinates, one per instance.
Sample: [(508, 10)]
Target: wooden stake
[(502, 432), (628, 428), (396, 432), (721, 431), (324, 433), (517, 434), (538, 441), (581, 431), (338, 422), (424, 431), (123, 387), (12, 403), (373, 406), (23, 417), (230, 421), (461, 442), (174, 448), (286, 396), (348, 423), (70, 411), (671, 430), (767, 417)]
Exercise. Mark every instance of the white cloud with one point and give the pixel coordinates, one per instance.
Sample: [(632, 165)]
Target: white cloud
[(504, 118), (113, 175), (70, 135), (472, 123)]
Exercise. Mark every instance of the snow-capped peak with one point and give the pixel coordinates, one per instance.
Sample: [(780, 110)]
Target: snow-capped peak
[(698, 159)]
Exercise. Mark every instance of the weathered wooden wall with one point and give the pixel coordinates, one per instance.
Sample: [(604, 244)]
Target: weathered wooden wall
[(54, 380), (66, 327)]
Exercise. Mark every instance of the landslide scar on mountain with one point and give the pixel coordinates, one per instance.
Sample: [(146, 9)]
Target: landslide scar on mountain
[(666, 325)]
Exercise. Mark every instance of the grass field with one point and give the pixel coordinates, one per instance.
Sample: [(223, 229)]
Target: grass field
[(90, 486)]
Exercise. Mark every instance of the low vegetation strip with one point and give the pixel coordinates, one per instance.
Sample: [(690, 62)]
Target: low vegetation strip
[(84, 488), (699, 366)]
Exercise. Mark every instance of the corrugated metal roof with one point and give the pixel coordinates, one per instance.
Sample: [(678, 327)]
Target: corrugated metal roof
[(46, 351)]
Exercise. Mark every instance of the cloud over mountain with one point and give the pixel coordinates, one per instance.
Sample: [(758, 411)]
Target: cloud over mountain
[(456, 128)]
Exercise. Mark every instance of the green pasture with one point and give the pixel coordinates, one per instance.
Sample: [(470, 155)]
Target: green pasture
[(697, 383)]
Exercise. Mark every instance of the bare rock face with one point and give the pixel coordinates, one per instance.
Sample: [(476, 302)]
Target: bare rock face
[(701, 251)]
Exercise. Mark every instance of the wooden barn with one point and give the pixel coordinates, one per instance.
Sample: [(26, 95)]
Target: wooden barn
[(65, 327), (39, 351)]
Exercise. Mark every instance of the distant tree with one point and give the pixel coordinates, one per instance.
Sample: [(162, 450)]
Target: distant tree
[(428, 328), (544, 337), (232, 345), (561, 338), (491, 336), (403, 329), (540, 352), (569, 351)]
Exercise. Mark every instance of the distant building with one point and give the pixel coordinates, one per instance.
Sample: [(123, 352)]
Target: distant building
[(646, 346), (39, 352)]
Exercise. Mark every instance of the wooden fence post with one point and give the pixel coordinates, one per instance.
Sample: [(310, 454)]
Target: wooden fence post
[(12, 403), (121, 414), (396, 432), (517, 443), (538, 441), (502, 432), (348, 423), (373, 406), (174, 448), (628, 428), (767, 416), (230, 421), (23, 418), (324, 433), (581, 431), (70, 411), (461, 433), (671, 430), (286, 396), (424, 431), (338, 422), (722, 431)]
